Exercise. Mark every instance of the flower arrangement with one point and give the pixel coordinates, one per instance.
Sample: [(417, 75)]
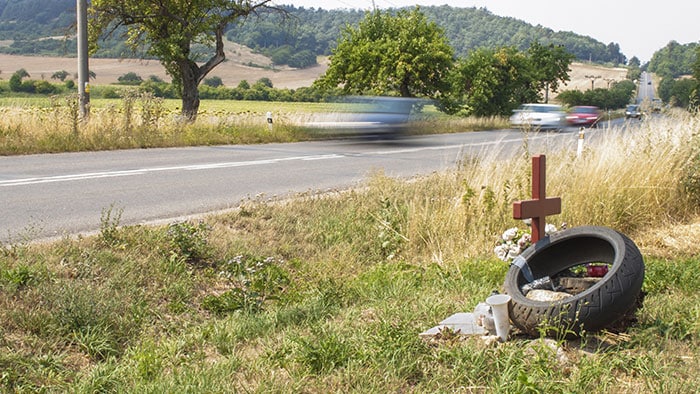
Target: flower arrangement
[(515, 240)]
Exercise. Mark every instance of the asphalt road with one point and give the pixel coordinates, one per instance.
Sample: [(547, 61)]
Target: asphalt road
[(56, 195), (646, 88)]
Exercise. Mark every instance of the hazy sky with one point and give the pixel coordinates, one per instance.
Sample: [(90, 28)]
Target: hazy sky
[(641, 27)]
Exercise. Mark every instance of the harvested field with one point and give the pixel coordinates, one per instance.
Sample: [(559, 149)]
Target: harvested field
[(243, 64)]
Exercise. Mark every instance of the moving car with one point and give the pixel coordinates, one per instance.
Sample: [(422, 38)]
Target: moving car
[(539, 116), (583, 116), (367, 115), (633, 111)]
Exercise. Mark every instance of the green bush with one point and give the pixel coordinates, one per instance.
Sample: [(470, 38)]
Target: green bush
[(130, 78), (617, 96), (189, 241), (253, 281), (213, 82), (44, 87)]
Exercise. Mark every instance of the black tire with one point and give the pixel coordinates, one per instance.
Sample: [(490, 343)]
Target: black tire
[(591, 310)]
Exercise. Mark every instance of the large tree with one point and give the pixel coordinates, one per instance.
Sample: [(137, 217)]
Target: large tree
[(170, 29), (389, 54), (550, 65), (495, 81), (492, 82)]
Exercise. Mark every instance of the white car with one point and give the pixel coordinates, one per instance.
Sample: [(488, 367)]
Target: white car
[(367, 115), (539, 116)]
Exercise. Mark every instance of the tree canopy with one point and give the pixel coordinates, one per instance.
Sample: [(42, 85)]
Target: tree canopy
[(170, 30), (387, 54), (550, 66), (490, 82), (674, 60), (620, 94), (495, 81)]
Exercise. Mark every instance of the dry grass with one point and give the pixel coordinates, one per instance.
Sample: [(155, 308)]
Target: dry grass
[(602, 76), (671, 241), (629, 181), (139, 121), (632, 183)]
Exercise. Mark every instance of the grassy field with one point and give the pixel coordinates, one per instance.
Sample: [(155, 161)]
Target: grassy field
[(47, 125), (328, 293)]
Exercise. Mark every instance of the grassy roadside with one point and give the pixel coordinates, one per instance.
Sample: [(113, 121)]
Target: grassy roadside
[(49, 125), (328, 294)]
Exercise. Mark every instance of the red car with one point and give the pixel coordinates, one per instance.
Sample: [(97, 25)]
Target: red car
[(583, 115)]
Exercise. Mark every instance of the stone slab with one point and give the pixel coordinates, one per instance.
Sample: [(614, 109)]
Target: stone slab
[(462, 323)]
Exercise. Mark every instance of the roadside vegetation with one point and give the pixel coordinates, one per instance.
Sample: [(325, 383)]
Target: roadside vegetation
[(327, 293), (140, 120)]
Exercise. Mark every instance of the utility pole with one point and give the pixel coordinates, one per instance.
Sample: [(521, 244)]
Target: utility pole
[(593, 78), (83, 71)]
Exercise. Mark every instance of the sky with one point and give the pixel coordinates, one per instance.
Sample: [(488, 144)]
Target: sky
[(640, 27)]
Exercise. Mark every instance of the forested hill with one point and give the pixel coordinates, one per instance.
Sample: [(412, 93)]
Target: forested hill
[(32, 19), (469, 28), (466, 29), (307, 33)]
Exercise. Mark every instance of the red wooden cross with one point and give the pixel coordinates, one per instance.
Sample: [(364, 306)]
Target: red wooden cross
[(540, 206)]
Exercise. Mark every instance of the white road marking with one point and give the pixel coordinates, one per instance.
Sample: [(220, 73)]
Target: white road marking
[(196, 167)]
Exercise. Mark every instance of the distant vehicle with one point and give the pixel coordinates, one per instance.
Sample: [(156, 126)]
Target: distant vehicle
[(633, 111), (584, 116), (367, 115), (656, 105), (539, 116)]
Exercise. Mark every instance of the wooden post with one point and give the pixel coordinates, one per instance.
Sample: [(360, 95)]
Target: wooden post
[(540, 206)]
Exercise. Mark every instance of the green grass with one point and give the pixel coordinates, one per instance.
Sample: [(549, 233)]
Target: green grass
[(329, 293)]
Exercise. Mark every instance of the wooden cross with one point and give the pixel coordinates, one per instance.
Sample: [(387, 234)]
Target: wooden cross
[(540, 206)]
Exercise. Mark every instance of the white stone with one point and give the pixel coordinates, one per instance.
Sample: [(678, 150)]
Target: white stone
[(546, 295), (459, 323)]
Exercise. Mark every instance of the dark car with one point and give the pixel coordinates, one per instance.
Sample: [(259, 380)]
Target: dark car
[(633, 111), (584, 116)]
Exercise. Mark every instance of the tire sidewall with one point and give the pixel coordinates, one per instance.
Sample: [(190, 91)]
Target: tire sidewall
[(592, 309)]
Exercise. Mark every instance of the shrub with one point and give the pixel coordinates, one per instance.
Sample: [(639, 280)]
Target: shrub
[(214, 82), (130, 78), (44, 87), (160, 89), (60, 75), (254, 281), (302, 59), (189, 240)]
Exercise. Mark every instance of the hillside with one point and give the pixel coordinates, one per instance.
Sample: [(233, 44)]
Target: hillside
[(253, 48), (29, 27)]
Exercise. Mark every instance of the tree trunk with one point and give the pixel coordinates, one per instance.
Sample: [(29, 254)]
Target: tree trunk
[(192, 75), (190, 91), (404, 90)]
